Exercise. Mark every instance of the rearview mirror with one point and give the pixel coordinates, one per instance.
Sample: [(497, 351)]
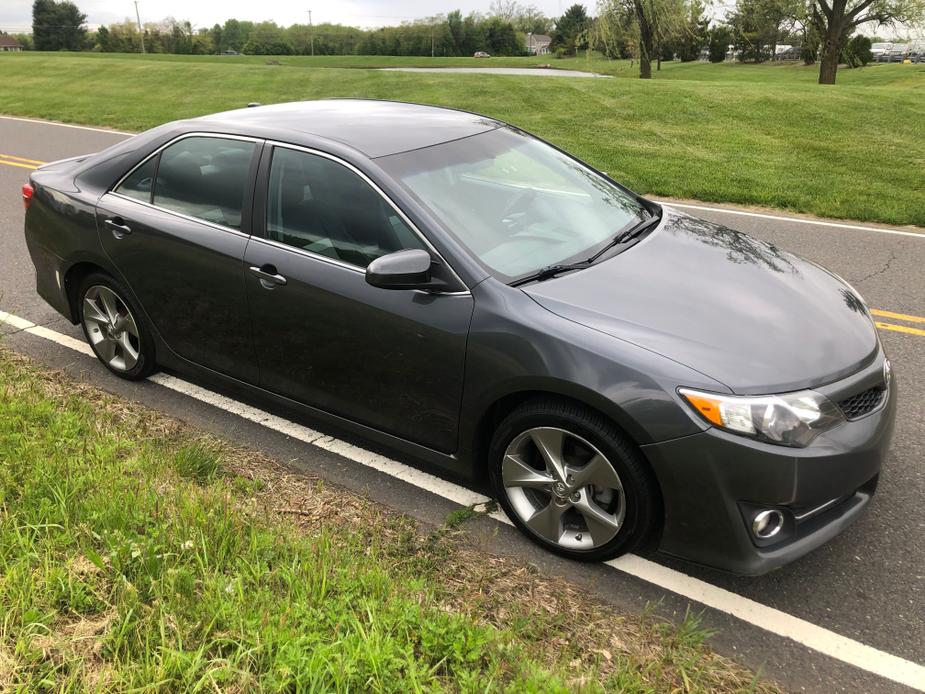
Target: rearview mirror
[(408, 269)]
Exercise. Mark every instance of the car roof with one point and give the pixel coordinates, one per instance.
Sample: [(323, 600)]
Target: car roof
[(375, 128)]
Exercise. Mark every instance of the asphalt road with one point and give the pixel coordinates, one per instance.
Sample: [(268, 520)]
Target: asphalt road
[(868, 584)]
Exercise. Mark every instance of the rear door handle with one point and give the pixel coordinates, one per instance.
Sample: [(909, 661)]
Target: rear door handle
[(118, 227), (268, 276)]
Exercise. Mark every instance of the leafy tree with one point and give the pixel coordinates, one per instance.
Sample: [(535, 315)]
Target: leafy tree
[(857, 52), (809, 41), (234, 35), (693, 35), (569, 26), (759, 25), (58, 26), (836, 20), (267, 38), (614, 31), (25, 40), (530, 20), (720, 38), (501, 38), (119, 38)]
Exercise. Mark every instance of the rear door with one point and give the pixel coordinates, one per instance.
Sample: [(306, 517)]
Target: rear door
[(176, 228)]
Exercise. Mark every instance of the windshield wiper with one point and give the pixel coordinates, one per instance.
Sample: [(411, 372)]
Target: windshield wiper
[(549, 272), (628, 235)]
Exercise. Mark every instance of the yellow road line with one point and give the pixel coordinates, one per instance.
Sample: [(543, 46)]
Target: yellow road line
[(897, 316), (28, 161), (900, 328), (16, 163)]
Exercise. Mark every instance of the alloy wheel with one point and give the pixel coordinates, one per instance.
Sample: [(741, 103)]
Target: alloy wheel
[(111, 328), (563, 488)]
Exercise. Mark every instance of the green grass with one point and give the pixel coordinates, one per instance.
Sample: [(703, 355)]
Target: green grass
[(762, 135), (136, 555)]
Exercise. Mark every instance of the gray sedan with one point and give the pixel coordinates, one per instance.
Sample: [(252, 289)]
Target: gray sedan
[(622, 376)]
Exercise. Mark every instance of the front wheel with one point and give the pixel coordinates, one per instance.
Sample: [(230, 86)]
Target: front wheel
[(572, 482), (114, 329)]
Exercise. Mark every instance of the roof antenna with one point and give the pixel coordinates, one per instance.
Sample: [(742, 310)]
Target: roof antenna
[(252, 104)]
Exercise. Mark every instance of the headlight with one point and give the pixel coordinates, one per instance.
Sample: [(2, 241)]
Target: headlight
[(792, 419)]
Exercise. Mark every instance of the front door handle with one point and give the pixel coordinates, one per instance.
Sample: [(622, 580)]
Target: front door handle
[(268, 276), (118, 227)]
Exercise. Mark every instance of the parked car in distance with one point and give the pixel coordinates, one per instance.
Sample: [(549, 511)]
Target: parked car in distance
[(481, 54), (625, 377)]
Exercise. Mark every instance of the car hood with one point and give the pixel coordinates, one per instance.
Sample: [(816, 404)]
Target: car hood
[(739, 310)]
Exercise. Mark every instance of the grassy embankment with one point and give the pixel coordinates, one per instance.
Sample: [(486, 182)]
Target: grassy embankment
[(137, 553), (753, 134)]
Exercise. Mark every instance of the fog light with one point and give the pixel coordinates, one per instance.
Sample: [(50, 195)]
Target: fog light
[(767, 524)]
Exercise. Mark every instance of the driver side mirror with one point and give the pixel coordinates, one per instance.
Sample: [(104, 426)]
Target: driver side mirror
[(408, 269)]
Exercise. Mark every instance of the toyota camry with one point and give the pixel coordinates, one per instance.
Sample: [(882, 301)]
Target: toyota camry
[(622, 376)]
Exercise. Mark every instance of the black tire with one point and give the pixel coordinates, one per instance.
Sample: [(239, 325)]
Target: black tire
[(145, 364), (643, 507)]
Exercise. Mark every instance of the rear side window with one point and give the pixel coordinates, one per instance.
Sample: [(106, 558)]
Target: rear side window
[(139, 183), (320, 206), (206, 178)]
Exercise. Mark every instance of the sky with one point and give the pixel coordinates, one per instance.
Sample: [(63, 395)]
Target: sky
[(16, 15)]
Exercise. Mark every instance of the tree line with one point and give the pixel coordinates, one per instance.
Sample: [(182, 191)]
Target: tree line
[(650, 31)]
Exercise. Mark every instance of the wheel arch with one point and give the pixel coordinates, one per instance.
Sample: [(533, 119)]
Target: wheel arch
[(497, 408), (74, 275)]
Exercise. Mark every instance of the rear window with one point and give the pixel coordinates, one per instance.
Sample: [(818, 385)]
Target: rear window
[(139, 183), (205, 178)]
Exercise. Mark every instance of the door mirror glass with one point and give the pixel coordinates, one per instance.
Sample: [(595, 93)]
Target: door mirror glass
[(408, 269)]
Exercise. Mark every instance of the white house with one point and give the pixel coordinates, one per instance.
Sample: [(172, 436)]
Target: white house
[(538, 44), (9, 45)]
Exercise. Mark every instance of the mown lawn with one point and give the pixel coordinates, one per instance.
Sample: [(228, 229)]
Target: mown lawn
[(137, 554), (762, 135)]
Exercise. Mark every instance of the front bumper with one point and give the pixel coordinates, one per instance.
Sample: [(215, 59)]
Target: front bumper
[(713, 483)]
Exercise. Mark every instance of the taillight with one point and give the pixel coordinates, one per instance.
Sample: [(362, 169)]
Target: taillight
[(27, 193)]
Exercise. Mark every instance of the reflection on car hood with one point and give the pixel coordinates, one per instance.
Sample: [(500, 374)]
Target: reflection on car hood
[(739, 310)]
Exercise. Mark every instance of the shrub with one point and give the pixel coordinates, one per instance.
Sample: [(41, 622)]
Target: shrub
[(856, 52)]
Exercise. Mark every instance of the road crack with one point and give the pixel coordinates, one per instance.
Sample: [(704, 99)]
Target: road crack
[(885, 268)]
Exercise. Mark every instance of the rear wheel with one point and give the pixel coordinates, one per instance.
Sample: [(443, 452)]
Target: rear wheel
[(572, 482), (114, 328)]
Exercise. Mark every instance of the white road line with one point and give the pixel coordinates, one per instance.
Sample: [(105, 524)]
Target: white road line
[(812, 636), (797, 220), (67, 125)]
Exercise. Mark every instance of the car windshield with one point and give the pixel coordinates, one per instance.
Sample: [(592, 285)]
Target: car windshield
[(518, 204)]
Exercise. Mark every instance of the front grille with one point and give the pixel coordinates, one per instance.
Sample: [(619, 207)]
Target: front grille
[(863, 403)]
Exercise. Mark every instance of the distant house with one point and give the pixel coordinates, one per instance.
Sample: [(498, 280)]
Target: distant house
[(538, 44), (9, 45)]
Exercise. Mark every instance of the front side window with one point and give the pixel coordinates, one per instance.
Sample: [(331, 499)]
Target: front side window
[(318, 205), (516, 203), (138, 184), (206, 178)]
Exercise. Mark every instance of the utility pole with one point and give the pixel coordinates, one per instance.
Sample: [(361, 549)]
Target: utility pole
[(141, 31), (311, 32), (431, 38)]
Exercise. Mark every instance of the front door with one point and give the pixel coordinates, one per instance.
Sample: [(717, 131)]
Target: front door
[(176, 229), (390, 359)]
